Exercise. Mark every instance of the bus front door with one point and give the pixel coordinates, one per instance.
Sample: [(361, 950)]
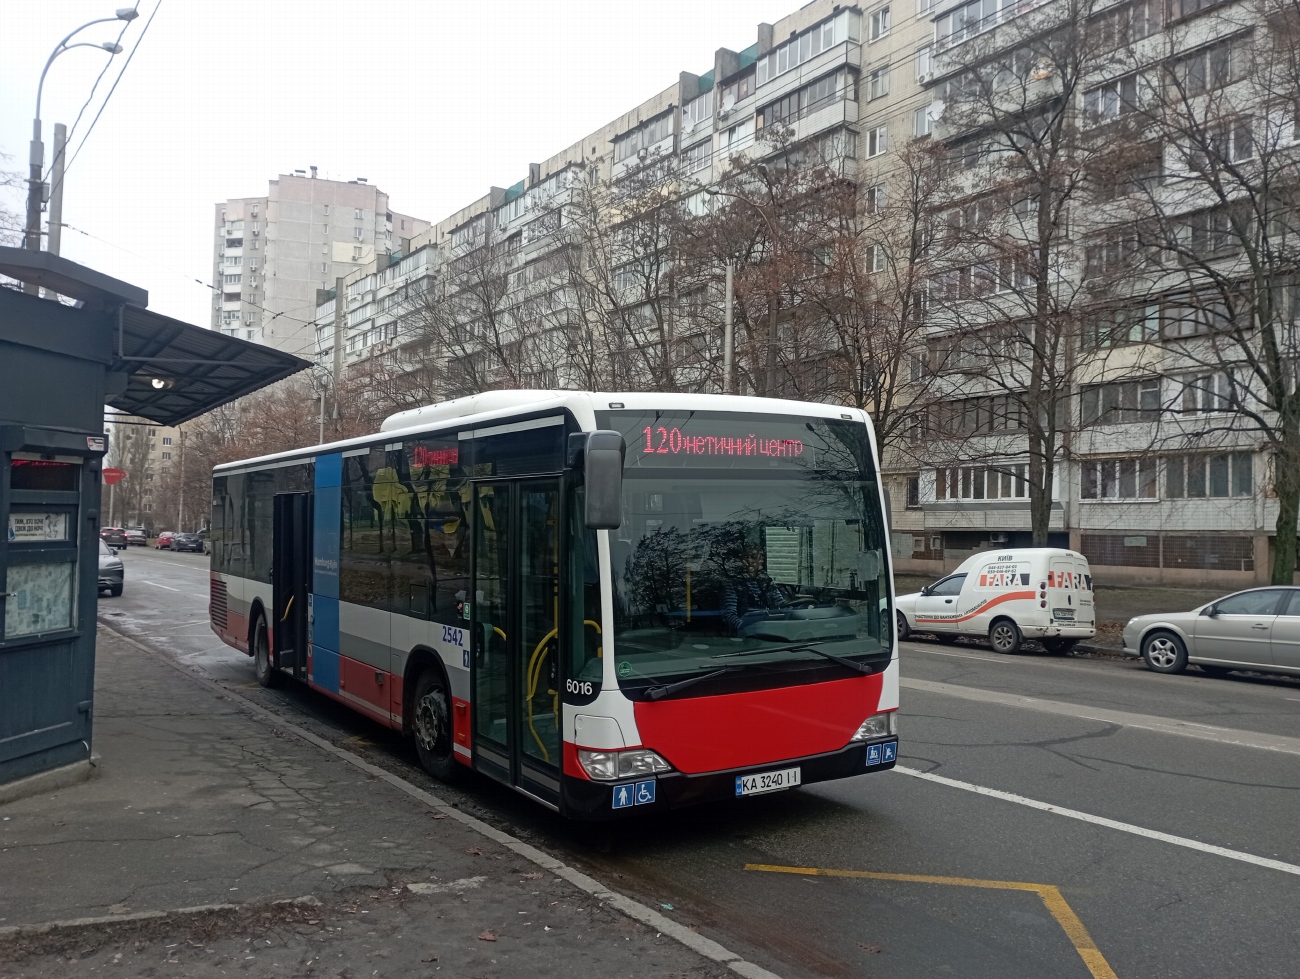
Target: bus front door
[(515, 634), (291, 561)]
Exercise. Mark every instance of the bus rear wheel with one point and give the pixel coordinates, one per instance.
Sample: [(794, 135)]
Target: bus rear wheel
[(432, 727), (266, 674)]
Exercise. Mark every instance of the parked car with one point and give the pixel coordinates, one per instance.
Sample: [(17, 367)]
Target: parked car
[(111, 572), (186, 542), (1256, 629), (113, 536), (1042, 593), (135, 537), (164, 539)]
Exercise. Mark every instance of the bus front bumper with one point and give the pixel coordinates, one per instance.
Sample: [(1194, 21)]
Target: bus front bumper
[(584, 799)]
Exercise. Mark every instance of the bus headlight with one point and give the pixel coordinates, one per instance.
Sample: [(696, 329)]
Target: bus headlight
[(877, 726), (607, 765)]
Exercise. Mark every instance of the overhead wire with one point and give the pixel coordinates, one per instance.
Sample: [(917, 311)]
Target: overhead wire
[(126, 64), (72, 130)]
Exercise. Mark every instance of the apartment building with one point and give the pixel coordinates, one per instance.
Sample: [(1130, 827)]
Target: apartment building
[(854, 90), (272, 254), (1161, 465), (146, 452), (845, 80)]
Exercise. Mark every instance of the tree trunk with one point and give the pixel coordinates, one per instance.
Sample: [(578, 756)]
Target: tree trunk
[(1288, 506)]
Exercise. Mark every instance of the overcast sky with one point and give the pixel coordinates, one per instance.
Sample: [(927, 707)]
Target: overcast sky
[(433, 102)]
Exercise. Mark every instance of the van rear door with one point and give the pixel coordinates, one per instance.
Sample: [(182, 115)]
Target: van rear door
[(1087, 616), (1064, 585)]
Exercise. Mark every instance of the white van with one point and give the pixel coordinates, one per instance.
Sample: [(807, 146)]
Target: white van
[(1042, 593)]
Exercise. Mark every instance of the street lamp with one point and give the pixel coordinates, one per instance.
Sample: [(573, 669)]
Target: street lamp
[(36, 161), (728, 329)]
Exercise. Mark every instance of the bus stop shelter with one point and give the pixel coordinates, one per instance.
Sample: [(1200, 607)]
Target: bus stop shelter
[(89, 341)]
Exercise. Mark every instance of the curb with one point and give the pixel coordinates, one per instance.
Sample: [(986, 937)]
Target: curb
[(635, 910), (50, 781), (71, 924)]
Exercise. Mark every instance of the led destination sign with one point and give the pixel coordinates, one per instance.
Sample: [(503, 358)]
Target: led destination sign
[(660, 440), (734, 440)]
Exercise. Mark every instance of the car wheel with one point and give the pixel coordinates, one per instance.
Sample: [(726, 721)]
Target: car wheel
[(432, 727), (1059, 647), (904, 630), (267, 676), (1164, 652), (1004, 636), (115, 591), (947, 638)]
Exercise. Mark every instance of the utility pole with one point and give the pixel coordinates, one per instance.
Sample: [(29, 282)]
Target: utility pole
[(180, 505), (729, 333), (340, 322), (56, 188)]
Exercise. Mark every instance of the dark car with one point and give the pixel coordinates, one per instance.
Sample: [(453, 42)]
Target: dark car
[(135, 537), (186, 542), (113, 536), (111, 572)]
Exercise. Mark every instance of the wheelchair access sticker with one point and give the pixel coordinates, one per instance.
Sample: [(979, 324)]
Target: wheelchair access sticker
[(640, 794)]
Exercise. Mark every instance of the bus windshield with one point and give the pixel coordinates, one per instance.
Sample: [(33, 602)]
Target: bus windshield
[(751, 546)]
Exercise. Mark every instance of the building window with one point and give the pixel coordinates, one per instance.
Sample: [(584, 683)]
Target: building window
[(875, 198), (843, 26), (1180, 9), (234, 261), (878, 83), (233, 280), (924, 6), (877, 141), (1186, 318), (697, 157), (1118, 479), (1120, 402), (1207, 394), (356, 233), (1223, 475), (879, 24), (878, 258), (356, 213), (924, 63), (981, 483), (697, 110), (1117, 327), (913, 491), (1113, 99), (1211, 67), (737, 90), (969, 20), (167, 440), (922, 122), (823, 92), (166, 455), (644, 137)]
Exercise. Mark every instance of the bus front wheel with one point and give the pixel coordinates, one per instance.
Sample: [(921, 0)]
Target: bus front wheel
[(266, 674), (432, 725)]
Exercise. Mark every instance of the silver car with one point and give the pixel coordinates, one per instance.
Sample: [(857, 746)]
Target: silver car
[(1258, 629), (111, 572)]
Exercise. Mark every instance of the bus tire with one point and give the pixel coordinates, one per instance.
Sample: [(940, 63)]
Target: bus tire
[(1004, 636), (904, 630), (431, 725), (267, 676)]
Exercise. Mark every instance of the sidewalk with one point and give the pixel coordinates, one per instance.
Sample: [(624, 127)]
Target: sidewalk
[(200, 803)]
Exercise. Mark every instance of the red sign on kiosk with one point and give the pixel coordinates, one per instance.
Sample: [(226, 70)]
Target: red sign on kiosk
[(112, 476)]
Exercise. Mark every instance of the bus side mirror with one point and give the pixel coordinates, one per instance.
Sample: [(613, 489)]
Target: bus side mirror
[(601, 458)]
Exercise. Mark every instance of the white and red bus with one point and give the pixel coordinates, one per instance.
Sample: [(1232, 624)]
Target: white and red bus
[(613, 603)]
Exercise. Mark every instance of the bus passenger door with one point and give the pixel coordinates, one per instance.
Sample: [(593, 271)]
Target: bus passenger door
[(515, 634), (291, 577)]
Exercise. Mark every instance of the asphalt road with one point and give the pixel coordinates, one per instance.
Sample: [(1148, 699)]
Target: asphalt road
[(1150, 824)]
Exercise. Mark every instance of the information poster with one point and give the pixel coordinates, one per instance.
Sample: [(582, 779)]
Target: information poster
[(37, 527)]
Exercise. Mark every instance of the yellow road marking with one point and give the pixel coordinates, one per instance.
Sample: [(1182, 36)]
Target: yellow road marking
[(1051, 895)]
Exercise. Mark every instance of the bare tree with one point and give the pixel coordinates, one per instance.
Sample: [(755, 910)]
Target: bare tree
[(1011, 304), (1211, 221)]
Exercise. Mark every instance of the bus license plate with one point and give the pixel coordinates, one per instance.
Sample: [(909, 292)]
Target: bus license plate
[(767, 781)]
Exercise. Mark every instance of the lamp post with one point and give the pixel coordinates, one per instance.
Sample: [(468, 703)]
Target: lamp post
[(36, 160), (728, 329)]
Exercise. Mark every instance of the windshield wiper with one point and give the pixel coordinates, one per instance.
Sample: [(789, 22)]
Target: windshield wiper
[(804, 647), (667, 689)]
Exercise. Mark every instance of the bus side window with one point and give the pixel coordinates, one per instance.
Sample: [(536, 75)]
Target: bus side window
[(432, 565)]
